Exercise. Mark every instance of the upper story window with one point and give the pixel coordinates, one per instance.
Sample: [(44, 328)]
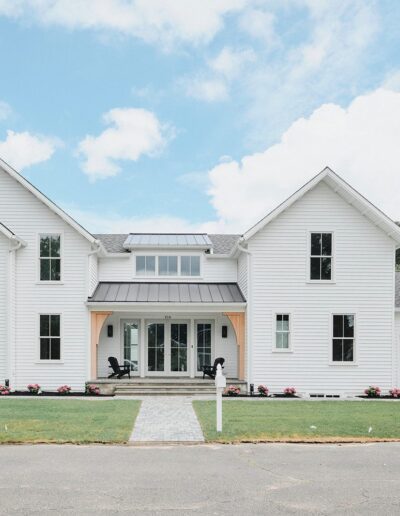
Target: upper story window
[(190, 265), (145, 265), (50, 337), (282, 332), (343, 338), (50, 257), (321, 257), (164, 265)]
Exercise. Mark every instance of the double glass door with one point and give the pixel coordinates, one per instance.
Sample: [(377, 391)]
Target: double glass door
[(167, 347)]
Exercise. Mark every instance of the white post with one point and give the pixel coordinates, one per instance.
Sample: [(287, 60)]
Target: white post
[(220, 384)]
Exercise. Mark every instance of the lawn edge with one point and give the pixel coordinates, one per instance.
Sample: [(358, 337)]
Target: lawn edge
[(306, 440)]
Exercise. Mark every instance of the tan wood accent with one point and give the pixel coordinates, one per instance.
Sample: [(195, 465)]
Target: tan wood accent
[(238, 321), (96, 323)]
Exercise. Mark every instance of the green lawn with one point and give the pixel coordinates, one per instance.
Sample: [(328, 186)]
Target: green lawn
[(66, 421), (258, 420)]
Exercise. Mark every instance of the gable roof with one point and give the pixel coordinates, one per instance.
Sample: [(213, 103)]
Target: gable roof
[(347, 192), (45, 200)]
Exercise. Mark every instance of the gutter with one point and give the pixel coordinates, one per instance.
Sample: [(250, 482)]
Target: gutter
[(249, 321)]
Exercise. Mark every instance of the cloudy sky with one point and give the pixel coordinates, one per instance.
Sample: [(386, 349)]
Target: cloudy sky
[(188, 115)]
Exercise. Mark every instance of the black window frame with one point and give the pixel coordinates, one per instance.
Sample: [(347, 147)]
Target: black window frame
[(320, 261), (343, 339), (50, 337), (50, 265)]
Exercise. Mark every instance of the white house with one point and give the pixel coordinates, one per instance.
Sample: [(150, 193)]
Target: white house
[(308, 297)]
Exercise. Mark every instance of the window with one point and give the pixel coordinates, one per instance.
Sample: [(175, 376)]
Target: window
[(50, 257), (343, 338), (145, 265), (321, 257), (50, 337), (190, 265), (282, 332), (168, 265)]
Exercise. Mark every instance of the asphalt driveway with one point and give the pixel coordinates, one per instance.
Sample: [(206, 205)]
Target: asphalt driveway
[(205, 479)]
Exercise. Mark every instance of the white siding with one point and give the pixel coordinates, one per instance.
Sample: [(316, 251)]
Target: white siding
[(27, 217), (396, 381), (115, 269), (4, 246), (242, 273), (364, 285), (220, 269), (226, 348), (93, 273)]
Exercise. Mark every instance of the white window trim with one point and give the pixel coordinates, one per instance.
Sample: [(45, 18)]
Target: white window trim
[(52, 360), (50, 282), (178, 277), (336, 363), (274, 332), (308, 261)]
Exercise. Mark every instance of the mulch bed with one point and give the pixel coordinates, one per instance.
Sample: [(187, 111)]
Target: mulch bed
[(52, 393), (258, 396), (378, 398)]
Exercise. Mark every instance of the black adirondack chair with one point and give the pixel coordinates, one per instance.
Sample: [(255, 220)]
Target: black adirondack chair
[(211, 371), (118, 371)]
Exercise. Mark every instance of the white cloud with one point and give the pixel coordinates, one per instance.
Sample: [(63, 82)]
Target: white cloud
[(230, 63), (205, 88), (359, 142), (5, 110), (259, 24), (133, 133), (154, 21), (21, 150)]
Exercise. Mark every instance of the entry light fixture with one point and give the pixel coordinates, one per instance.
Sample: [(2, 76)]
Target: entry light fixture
[(110, 330), (224, 332)]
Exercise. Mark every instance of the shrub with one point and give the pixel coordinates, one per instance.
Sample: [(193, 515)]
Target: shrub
[(232, 390), (92, 389), (373, 391), (289, 391), (64, 389), (263, 390), (4, 391), (395, 392), (34, 388)]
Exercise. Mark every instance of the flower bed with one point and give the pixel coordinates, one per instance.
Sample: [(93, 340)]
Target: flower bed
[(56, 394)]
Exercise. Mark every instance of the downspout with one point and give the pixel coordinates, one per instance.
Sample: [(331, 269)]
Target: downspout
[(11, 312), (96, 250), (249, 313)]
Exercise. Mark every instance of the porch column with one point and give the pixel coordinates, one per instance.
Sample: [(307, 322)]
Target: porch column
[(96, 323), (238, 322)]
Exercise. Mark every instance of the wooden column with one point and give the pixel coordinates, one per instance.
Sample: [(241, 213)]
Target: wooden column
[(96, 323), (238, 322)]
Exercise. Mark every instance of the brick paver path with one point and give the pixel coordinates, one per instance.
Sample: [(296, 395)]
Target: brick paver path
[(167, 419)]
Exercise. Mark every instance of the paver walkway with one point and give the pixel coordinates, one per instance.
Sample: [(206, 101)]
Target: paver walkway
[(167, 419)]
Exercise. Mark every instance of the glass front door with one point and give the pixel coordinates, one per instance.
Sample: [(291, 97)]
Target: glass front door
[(179, 347), (204, 348), (167, 348), (131, 345), (156, 347)]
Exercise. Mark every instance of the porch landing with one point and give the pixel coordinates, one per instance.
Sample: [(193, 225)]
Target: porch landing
[(162, 386)]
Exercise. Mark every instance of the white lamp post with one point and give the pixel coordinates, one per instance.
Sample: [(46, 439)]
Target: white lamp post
[(220, 384)]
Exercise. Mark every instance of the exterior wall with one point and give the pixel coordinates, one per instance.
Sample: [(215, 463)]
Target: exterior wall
[(28, 217), (93, 264), (396, 381), (113, 346), (364, 285), (242, 273), (123, 269), (4, 246)]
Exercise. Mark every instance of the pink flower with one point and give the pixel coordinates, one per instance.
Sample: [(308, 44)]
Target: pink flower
[(263, 390)]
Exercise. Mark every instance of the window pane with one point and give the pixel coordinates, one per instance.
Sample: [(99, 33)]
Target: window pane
[(327, 244), (44, 269), (326, 268), (55, 245), (44, 349), (55, 272), (185, 265), (315, 273), (316, 244), (163, 265), (44, 325), (348, 325), (140, 265), (285, 340), (338, 325), (172, 265), (150, 265), (285, 323), (55, 325), (279, 340), (337, 350), (44, 246), (195, 262), (55, 349), (348, 350)]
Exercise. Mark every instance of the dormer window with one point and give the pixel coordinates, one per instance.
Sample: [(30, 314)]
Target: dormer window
[(50, 257), (190, 265), (168, 265), (145, 265), (321, 256)]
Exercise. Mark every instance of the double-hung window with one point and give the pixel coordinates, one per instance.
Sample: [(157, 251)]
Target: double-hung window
[(321, 257), (50, 257), (343, 338), (282, 332), (145, 265), (50, 336)]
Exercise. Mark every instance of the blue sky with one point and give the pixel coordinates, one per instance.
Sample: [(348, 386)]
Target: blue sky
[(185, 115)]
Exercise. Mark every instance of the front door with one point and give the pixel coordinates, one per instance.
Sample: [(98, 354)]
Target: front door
[(203, 345), (167, 348)]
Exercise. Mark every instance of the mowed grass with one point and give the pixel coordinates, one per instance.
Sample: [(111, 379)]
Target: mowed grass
[(66, 421), (267, 420)]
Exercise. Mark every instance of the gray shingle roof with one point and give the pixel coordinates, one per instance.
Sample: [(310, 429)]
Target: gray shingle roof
[(397, 295), (153, 292), (114, 243)]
